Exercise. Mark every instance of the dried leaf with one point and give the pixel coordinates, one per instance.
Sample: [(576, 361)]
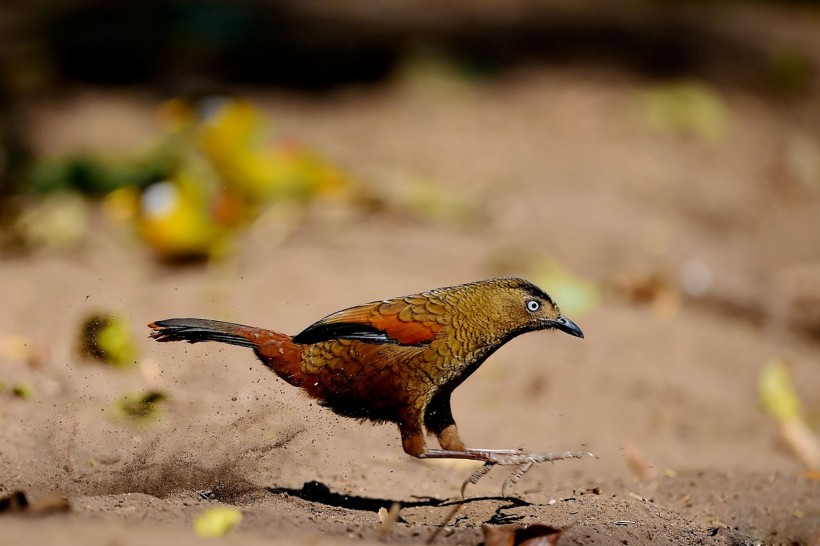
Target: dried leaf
[(17, 502), (536, 534), (49, 505), (499, 536)]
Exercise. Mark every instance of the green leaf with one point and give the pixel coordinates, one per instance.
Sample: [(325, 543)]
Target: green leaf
[(140, 406)]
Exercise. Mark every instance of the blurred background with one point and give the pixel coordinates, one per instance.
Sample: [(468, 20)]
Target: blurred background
[(654, 165)]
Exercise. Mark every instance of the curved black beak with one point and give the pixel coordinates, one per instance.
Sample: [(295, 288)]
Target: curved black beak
[(565, 325)]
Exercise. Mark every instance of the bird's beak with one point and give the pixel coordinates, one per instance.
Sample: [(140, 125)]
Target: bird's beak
[(565, 325)]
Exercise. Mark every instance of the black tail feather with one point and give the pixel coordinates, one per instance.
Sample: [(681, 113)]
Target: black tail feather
[(194, 330)]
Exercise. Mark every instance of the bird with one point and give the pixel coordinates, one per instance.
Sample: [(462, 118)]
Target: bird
[(399, 360)]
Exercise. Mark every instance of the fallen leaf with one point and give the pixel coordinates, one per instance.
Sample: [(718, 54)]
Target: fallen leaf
[(780, 400), (777, 392), (106, 337), (140, 406), (22, 390), (217, 522), (17, 502), (686, 108), (536, 534)]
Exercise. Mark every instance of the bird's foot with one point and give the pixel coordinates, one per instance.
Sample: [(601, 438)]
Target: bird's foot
[(505, 457)]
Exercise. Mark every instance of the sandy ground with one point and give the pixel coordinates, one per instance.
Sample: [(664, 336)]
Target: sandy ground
[(665, 396)]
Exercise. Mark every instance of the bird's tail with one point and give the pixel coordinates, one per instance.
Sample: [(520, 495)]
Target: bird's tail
[(194, 330), (276, 351)]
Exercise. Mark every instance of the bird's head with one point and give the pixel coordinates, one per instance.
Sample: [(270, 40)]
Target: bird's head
[(529, 308)]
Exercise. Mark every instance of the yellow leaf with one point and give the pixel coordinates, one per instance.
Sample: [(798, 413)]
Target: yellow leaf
[(687, 108), (107, 337), (777, 392), (217, 522)]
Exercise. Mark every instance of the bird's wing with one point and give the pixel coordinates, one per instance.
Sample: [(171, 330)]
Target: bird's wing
[(412, 320)]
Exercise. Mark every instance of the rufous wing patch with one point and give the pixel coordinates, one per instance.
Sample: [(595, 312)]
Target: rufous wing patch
[(406, 333), (392, 321)]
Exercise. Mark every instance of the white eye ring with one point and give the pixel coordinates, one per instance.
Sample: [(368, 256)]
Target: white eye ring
[(533, 306)]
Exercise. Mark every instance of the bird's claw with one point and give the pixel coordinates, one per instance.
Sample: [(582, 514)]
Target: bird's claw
[(475, 476), (515, 476)]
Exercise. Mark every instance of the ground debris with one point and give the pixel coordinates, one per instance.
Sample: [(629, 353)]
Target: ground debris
[(17, 502), (536, 534)]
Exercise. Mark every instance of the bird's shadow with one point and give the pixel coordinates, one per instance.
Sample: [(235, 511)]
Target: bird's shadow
[(318, 492)]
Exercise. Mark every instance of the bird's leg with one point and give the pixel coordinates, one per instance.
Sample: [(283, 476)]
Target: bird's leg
[(438, 418), (412, 438), (449, 439), (411, 427), (504, 457)]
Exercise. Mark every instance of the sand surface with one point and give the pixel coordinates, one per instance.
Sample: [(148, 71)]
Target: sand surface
[(665, 394)]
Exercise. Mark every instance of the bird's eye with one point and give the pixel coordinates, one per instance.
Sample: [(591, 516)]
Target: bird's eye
[(533, 306)]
